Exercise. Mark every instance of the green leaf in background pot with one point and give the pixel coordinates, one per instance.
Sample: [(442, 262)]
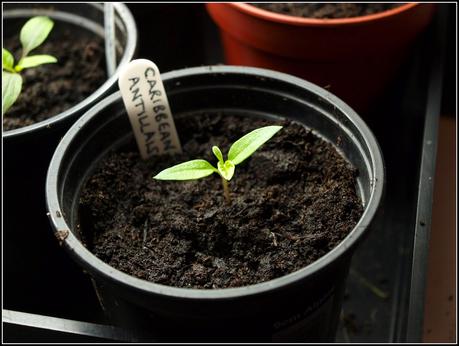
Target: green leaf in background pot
[(34, 60), (11, 87), (34, 33)]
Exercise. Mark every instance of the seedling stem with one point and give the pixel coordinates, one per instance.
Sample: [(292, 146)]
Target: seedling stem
[(226, 191)]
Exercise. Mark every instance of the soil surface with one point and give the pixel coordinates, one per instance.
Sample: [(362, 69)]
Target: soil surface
[(50, 89), (292, 202), (324, 10)]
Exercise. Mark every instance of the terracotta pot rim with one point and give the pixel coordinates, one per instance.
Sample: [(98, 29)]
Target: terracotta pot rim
[(299, 21)]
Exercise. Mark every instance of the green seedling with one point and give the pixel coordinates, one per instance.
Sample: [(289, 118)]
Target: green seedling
[(238, 152), (33, 34)]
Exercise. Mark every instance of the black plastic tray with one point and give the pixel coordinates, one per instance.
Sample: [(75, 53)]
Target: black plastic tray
[(385, 292)]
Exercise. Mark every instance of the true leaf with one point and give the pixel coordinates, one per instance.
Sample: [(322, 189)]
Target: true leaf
[(226, 169), (189, 170), (7, 59), (34, 32), (248, 144), (217, 152), (34, 60), (11, 87)]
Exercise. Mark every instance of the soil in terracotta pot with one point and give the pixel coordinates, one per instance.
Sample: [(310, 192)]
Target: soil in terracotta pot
[(325, 10), (53, 88), (292, 202)]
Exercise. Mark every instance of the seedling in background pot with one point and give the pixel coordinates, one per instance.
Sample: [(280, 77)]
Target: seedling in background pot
[(239, 151), (33, 34)]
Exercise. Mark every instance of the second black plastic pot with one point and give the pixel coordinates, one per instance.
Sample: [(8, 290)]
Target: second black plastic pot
[(302, 306), (33, 266)]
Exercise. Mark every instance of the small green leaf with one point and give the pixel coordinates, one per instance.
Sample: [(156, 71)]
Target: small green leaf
[(7, 59), (11, 88), (226, 170), (34, 33), (34, 60), (190, 170), (248, 144), (218, 153)]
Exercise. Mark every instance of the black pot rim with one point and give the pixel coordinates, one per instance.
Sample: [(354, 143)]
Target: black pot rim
[(94, 264), (131, 42)]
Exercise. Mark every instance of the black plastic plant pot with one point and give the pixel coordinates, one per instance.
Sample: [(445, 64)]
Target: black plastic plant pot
[(303, 305), (28, 150)]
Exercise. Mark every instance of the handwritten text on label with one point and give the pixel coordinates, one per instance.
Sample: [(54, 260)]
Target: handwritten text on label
[(148, 108)]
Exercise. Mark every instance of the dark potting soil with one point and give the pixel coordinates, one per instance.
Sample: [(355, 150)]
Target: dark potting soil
[(324, 10), (53, 88), (292, 202)]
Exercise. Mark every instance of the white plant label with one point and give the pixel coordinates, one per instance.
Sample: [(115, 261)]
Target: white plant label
[(148, 109)]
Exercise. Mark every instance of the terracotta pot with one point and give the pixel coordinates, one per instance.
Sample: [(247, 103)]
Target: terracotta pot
[(354, 58)]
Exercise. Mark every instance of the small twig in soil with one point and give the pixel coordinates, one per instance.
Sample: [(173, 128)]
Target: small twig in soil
[(144, 233), (240, 212), (148, 248), (274, 238), (294, 237)]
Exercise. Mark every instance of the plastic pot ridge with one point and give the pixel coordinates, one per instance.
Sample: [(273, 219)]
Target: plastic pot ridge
[(303, 305)]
